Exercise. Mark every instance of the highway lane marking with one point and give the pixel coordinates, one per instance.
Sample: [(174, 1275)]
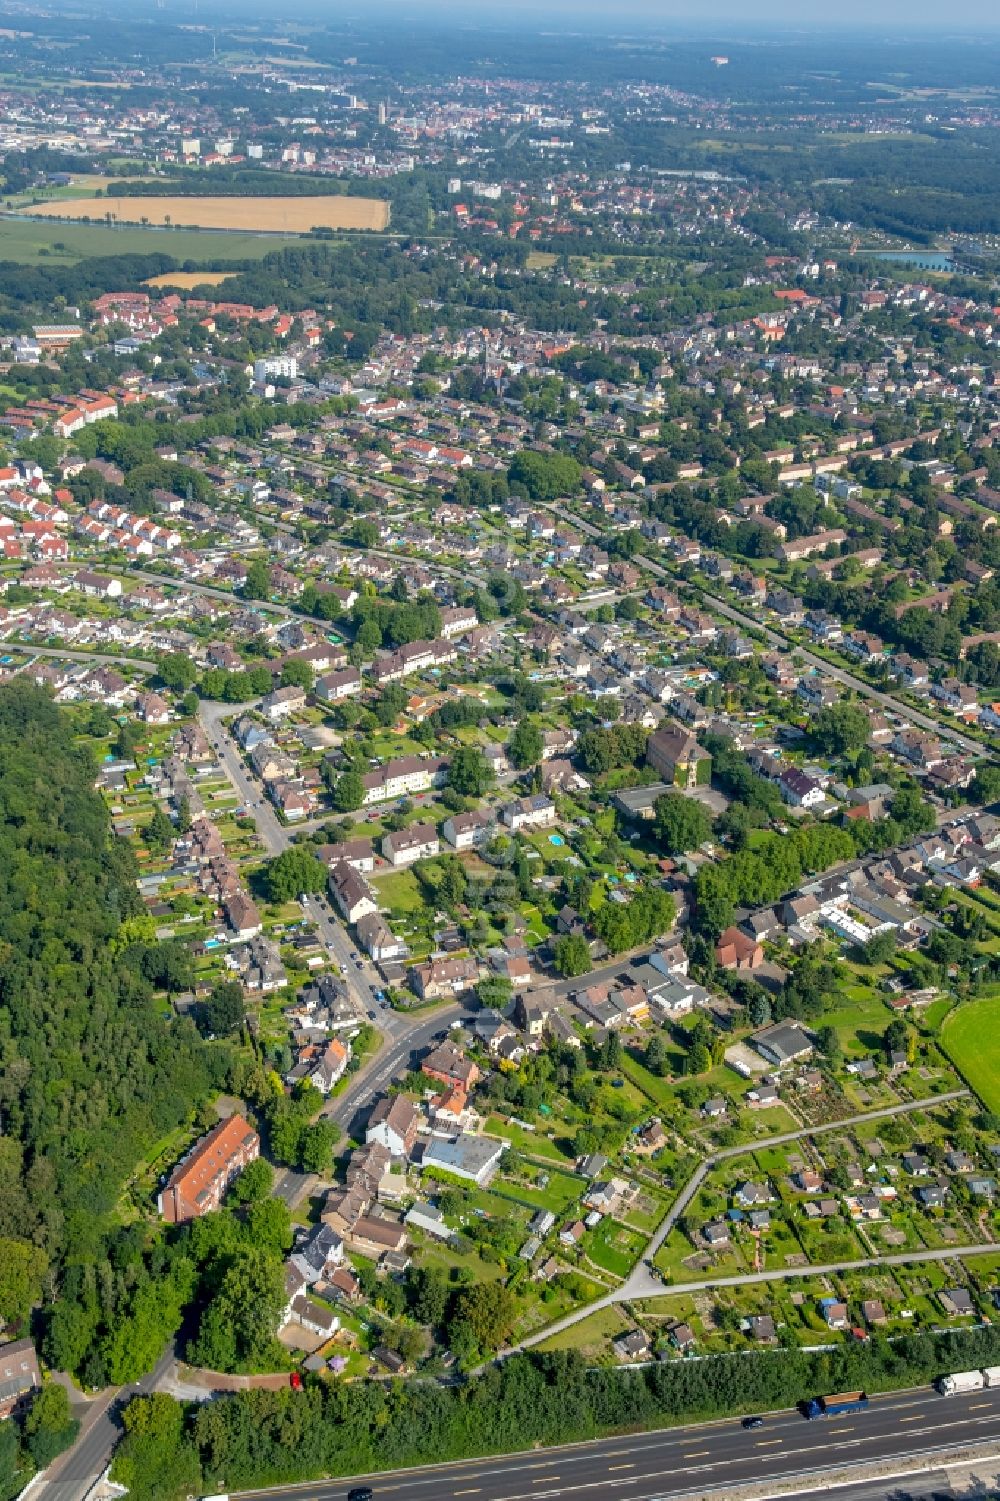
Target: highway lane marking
[(429, 1475), (765, 1443), (546, 1479), (660, 1474), (612, 1468), (473, 1492), (848, 1429), (976, 1406), (914, 1419)]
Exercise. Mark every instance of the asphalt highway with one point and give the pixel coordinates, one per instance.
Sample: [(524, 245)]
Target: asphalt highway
[(696, 1459)]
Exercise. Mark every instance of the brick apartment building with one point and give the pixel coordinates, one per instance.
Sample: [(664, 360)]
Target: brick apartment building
[(197, 1184)]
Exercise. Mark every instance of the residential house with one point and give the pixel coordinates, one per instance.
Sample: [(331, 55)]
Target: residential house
[(405, 846), (351, 893), (443, 977), (19, 1374), (534, 812), (735, 950), (448, 1064), (393, 1123)]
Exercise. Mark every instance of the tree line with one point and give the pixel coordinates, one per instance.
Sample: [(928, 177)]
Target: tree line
[(260, 1438)]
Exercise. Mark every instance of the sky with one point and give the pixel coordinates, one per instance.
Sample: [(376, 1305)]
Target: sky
[(953, 16)]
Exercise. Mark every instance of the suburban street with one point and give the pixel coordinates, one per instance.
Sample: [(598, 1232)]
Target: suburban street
[(776, 639), (71, 1476), (698, 1458), (276, 838)]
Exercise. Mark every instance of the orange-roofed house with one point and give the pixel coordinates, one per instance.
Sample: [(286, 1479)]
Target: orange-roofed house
[(735, 950), (197, 1184)]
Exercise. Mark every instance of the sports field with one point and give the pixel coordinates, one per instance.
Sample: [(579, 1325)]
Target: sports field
[(971, 1038), (264, 215)]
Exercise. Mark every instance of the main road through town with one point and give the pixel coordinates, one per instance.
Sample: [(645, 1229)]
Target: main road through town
[(695, 1460)]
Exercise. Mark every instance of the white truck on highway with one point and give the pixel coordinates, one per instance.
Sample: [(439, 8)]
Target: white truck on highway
[(967, 1381)]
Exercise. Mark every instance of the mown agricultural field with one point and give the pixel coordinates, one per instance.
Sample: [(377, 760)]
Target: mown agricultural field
[(185, 280)]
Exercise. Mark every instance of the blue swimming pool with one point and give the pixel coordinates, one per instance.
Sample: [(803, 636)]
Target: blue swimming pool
[(556, 839)]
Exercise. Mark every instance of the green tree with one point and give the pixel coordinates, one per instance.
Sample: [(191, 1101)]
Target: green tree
[(525, 746), (50, 1426), (364, 533), (829, 1044), (656, 1056), (842, 729), (468, 772), (699, 1059), (316, 1146), (176, 671), (348, 792), (495, 991), (681, 823), (544, 476), (894, 1038), (297, 674), (153, 1462), (240, 1323), (368, 637), (135, 1342), (257, 584), (254, 1183), (292, 872), (986, 785), (269, 1224), (22, 1269), (572, 955), (483, 1315), (224, 1011), (429, 1294)]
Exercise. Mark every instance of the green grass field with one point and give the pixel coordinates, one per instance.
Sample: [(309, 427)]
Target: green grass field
[(591, 1333), (33, 241), (971, 1038), (401, 893)]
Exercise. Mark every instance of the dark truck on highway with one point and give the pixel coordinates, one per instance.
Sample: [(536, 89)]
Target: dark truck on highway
[(835, 1406)]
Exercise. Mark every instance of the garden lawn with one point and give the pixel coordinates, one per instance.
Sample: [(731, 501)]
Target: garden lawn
[(971, 1038), (531, 1143), (613, 1246), (561, 1190), (401, 893), (592, 1333)]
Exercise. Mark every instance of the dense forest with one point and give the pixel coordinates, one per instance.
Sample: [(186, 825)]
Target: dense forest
[(92, 1073)]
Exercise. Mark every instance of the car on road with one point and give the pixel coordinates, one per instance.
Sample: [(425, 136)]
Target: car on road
[(361, 1493), (359, 964), (753, 1422)]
